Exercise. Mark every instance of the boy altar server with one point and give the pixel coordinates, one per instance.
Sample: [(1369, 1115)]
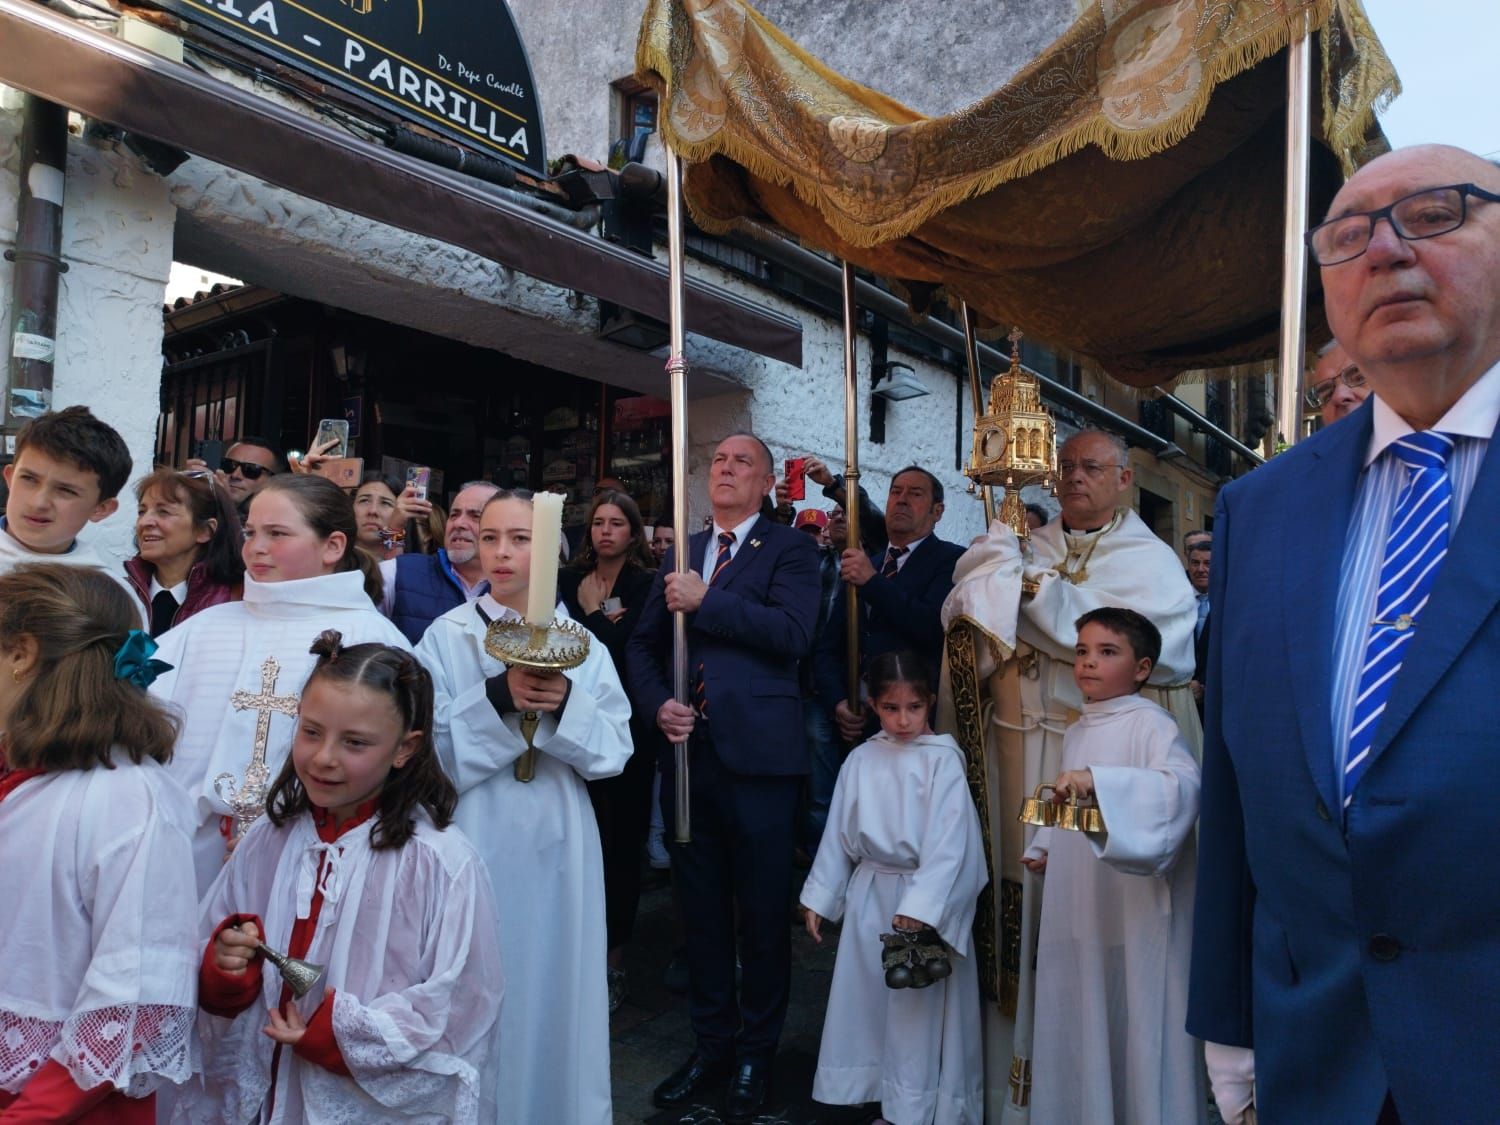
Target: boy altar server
[(68, 472), (1112, 958), (539, 838)]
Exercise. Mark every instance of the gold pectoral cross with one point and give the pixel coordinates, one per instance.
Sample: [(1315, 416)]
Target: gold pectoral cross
[(247, 800)]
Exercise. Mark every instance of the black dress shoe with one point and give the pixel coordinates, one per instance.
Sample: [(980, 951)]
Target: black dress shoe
[(689, 1080), (749, 1089)]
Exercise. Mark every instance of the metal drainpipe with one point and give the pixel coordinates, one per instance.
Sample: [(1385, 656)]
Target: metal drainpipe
[(38, 264)]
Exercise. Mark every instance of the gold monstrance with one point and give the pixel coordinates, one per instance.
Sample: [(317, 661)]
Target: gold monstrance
[(1015, 440), (558, 646)]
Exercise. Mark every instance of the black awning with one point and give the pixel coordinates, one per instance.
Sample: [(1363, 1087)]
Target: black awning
[(107, 79)]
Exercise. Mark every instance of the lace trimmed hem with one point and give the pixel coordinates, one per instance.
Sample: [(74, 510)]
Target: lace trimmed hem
[(135, 1047)]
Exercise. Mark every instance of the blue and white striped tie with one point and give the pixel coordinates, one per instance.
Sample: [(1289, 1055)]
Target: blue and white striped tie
[(1414, 551)]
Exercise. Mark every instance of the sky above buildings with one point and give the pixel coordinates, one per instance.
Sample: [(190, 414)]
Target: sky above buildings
[(1444, 51)]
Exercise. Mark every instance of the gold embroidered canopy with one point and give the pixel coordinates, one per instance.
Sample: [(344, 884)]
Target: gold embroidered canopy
[(1120, 197)]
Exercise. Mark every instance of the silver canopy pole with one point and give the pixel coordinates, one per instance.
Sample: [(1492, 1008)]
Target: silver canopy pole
[(677, 368), (1292, 356)]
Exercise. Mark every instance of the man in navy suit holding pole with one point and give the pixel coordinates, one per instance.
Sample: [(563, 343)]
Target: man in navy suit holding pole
[(751, 595), (1348, 908), (901, 588)]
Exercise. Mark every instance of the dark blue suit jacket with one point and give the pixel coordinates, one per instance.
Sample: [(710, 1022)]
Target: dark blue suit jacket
[(900, 613), (1362, 960), (756, 622)]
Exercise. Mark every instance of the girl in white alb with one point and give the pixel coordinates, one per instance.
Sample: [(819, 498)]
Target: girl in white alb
[(356, 868), (238, 667), (97, 959), (902, 850)]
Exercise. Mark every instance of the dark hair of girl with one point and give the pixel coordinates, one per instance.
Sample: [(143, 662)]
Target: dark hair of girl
[(207, 502), (72, 710), (326, 508), (509, 494), (892, 668), (396, 675), (638, 553)]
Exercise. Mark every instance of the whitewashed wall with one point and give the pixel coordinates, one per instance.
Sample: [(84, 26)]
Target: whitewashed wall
[(117, 242)]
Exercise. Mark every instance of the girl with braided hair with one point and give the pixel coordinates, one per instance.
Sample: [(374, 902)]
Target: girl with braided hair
[(97, 897), (355, 867)]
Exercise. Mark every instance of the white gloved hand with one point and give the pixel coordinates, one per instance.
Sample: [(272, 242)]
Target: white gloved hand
[(1231, 1074)]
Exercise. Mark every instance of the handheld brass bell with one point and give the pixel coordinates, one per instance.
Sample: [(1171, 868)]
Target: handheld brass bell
[(1038, 810), (1078, 817), (1044, 812), (299, 975)]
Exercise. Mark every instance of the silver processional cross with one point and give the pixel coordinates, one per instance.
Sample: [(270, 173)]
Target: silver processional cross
[(248, 799)]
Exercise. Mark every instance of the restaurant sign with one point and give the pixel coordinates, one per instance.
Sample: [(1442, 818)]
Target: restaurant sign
[(459, 69)]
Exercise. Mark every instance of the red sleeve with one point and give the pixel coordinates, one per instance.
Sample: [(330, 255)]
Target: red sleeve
[(228, 994), (50, 1096), (317, 1044)]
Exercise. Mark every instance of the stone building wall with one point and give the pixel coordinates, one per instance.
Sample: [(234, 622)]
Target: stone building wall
[(117, 242)]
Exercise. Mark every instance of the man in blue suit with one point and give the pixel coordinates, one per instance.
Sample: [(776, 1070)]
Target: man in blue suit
[(901, 588), (751, 595), (1348, 909)]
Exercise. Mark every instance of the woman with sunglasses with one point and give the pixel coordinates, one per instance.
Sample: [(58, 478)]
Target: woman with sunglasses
[(188, 539)]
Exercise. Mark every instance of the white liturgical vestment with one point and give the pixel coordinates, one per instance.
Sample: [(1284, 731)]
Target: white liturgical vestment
[(541, 843), (97, 903), (1117, 930), (902, 838), (1125, 565), (237, 673), (407, 938)]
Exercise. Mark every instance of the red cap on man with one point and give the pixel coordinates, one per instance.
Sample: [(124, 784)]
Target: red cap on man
[(814, 520)]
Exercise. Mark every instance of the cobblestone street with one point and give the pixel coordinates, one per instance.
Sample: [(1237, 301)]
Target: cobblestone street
[(650, 1034)]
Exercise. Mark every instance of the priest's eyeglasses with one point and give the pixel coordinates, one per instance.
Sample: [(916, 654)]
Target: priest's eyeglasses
[(1320, 392), (1423, 214), (1090, 468)]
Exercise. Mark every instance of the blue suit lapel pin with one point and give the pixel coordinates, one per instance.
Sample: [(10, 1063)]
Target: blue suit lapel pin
[(755, 542)]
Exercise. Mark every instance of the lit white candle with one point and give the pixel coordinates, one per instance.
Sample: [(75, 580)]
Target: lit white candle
[(546, 538)]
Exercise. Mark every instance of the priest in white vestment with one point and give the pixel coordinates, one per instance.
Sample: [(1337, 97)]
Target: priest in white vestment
[(541, 843), (902, 838), (1013, 616), (237, 674), (1109, 1041)]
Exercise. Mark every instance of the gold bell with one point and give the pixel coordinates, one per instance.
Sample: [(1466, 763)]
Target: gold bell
[(1076, 817), (1038, 810)]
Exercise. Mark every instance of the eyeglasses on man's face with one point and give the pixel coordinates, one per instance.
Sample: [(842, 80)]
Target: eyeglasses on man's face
[(1422, 214), (1322, 392), (247, 469), (1094, 469)]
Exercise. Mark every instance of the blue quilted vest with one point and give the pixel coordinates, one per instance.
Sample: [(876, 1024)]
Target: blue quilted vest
[(426, 588)]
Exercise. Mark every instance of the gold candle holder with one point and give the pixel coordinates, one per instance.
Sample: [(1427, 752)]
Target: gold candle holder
[(556, 646)]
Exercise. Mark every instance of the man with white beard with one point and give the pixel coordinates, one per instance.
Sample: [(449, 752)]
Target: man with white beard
[(421, 588)]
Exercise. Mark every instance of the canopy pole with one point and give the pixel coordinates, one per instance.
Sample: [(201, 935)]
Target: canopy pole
[(677, 368), (1293, 350), (851, 480), (971, 352)]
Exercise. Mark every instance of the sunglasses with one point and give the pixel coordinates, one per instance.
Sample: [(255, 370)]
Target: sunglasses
[(247, 469)]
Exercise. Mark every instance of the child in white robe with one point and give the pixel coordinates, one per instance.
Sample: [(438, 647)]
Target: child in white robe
[(1117, 910), (539, 838), (902, 850), (238, 666), (97, 898), (355, 867)]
